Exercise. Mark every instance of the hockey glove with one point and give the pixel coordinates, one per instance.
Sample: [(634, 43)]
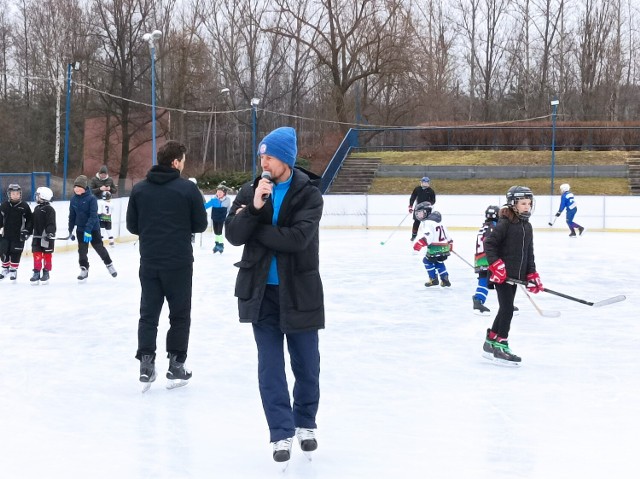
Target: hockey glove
[(558, 214), (87, 237), (51, 236), (420, 244), (410, 209), (498, 272), (24, 235), (451, 246), (534, 284)]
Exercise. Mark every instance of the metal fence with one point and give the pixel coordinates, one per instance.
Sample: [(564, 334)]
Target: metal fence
[(29, 182)]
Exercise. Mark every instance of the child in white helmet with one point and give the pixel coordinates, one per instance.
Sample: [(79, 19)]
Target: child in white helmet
[(568, 201), (44, 234)]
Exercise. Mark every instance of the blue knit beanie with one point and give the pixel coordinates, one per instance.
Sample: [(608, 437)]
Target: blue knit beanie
[(281, 144)]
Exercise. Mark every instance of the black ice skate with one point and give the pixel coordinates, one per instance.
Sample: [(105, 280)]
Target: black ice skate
[(177, 374), (503, 355), (112, 270), (35, 279), (44, 279), (307, 440), (147, 371), (413, 236), (84, 274), (432, 282), (580, 230), (444, 281), (488, 347), (479, 308), (282, 450)]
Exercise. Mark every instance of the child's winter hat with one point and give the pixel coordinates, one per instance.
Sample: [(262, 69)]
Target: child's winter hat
[(81, 181), (281, 144)]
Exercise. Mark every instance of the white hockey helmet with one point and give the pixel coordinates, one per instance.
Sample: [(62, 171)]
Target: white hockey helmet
[(564, 187), (43, 193)]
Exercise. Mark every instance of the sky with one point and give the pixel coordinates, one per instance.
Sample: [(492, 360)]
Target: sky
[(405, 391)]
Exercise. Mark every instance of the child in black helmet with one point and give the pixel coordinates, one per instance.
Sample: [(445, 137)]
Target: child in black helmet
[(509, 250), (16, 223), (419, 195)]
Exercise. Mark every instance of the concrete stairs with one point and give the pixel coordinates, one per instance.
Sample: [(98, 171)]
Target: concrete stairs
[(355, 176), (634, 175)]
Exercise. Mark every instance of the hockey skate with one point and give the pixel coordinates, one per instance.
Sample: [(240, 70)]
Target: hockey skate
[(479, 308), (177, 374), (503, 355), (4, 273), (444, 281), (111, 242), (35, 279), (580, 230), (112, 270), (13, 275), (432, 282), (282, 451), (147, 371), (307, 440), (84, 274), (44, 278), (218, 248), (488, 347)]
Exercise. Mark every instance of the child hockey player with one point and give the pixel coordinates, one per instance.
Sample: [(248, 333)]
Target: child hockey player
[(16, 221), (509, 249), (439, 246), (104, 214), (44, 234), (420, 194), (219, 205), (83, 215), (568, 201), (480, 263)]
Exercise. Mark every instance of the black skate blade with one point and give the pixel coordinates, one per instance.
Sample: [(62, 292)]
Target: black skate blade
[(605, 302), (176, 383)]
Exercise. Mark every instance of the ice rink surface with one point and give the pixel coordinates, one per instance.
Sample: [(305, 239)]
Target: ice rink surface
[(405, 391)]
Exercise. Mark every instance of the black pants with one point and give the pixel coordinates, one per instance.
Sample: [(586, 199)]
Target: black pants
[(502, 323), (96, 242), (174, 285), (217, 227)]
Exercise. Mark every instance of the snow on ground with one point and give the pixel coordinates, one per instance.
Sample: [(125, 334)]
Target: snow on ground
[(405, 391)]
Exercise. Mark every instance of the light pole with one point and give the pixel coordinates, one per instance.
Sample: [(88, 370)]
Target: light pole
[(554, 105), (215, 133), (70, 67), (151, 38), (254, 127)]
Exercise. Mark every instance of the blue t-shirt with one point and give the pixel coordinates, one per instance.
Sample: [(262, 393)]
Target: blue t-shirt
[(277, 195)]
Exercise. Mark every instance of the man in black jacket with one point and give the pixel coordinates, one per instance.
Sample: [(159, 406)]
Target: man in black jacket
[(102, 182), (164, 210), (279, 289)]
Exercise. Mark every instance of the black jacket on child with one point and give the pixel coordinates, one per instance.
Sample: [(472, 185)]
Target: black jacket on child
[(512, 241), (44, 225), (15, 218)]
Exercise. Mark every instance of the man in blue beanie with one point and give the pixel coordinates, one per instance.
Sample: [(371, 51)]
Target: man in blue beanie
[(279, 290)]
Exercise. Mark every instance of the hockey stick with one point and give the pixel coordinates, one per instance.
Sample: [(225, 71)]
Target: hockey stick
[(551, 223), (46, 237), (467, 263), (395, 229), (597, 304), (541, 312)]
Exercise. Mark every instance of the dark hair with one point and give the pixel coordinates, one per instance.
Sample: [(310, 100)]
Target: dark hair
[(171, 150)]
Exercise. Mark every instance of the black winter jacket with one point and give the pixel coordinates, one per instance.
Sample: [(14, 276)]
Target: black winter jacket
[(164, 210), (512, 241), (422, 194), (95, 183), (294, 239), (14, 218)]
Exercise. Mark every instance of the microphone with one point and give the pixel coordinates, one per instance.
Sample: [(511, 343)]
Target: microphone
[(266, 175)]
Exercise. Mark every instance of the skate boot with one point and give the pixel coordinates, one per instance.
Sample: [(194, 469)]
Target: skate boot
[(4, 273), (112, 270), (307, 439), (35, 279), (580, 230), (216, 248), (572, 234), (413, 236), (147, 371), (84, 273), (111, 242), (44, 279), (444, 281), (282, 449), (516, 311), (502, 353), (221, 248), (177, 374), (488, 346), (13, 275), (432, 282), (479, 308)]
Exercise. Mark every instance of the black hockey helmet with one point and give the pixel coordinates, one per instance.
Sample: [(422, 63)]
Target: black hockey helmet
[(14, 187), (106, 195), (516, 193), (435, 216), (422, 211), (491, 213)]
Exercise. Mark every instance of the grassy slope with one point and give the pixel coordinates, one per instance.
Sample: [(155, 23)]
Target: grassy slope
[(580, 186)]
